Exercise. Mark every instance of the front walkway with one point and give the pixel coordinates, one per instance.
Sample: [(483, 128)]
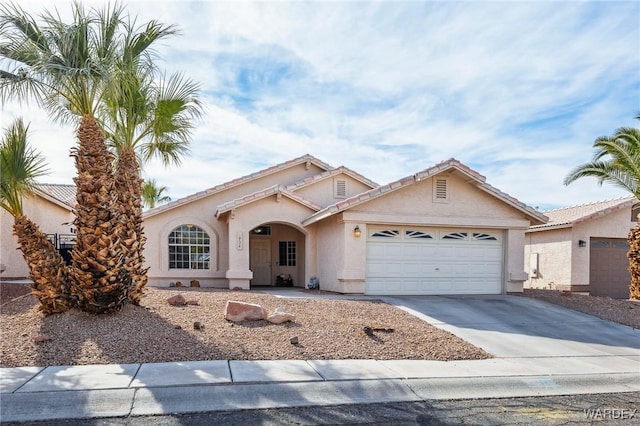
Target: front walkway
[(94, 391)]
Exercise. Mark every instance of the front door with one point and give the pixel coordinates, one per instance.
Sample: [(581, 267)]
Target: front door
[(261, 261)]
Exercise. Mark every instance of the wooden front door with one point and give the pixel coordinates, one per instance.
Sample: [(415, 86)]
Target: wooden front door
[(261, 261)]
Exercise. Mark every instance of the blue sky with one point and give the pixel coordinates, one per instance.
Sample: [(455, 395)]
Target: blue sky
[(516, 90)]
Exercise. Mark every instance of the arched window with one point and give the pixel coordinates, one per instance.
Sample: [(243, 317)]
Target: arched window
[(189, 248)]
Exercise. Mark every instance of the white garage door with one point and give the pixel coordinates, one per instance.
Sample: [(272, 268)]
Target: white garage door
[(404, 260)]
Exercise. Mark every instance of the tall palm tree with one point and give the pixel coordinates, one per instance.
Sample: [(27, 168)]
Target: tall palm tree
[(20, 166), (145, 116), (617, 161), (153, 194), (69, 68)]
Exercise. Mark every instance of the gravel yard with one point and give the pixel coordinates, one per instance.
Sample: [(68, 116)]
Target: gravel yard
[(326, 329), (625, 312), (158, 332)]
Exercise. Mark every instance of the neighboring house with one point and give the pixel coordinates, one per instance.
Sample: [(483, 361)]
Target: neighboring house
[(51, 207), (583, 248), (443, 230)]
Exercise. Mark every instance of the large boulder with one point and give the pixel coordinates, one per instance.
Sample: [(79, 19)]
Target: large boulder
[(279, 316), (241, 311), (177, 300)]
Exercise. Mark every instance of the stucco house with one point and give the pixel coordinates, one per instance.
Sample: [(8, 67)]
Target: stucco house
[(583, 248), (443, 230), (51, 207)]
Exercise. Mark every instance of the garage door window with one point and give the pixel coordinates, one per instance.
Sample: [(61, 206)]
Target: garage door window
[(455, 236), (386, 234), (418, 235), (480, 236)]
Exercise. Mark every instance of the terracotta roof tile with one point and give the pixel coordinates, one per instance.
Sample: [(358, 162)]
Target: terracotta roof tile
[(305, 158), (264, 193), (427, 173), (569, 216)]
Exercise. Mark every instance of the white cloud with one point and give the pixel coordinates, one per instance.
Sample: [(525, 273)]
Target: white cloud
[(517, 90)]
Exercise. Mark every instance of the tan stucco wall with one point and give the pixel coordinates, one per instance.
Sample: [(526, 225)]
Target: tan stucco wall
[(554, 250), (322, 192), (49, 217), (562, 262), (272, 209), (467, 206), (331, 253)]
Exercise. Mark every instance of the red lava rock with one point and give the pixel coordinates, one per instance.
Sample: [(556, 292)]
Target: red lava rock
[(40, 339), (177, 300)]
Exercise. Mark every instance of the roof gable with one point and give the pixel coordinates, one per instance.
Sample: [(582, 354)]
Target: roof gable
[(567, 217), (332, 173), (454, 165), (307, 159), (277, 190)]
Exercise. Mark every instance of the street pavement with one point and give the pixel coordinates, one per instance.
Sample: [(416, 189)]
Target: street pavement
[(540, 349)]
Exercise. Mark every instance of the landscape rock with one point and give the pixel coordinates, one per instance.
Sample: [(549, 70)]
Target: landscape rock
[(179, 284), (279, 316), (40, 339), (294, 340), (241, 311), (195, 283), (198, 325), (193, 302), (177, 300)]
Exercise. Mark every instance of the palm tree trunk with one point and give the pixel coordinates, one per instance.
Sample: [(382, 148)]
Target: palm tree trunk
[(47, 269), (129, 187), (99, 280), (634, 262)]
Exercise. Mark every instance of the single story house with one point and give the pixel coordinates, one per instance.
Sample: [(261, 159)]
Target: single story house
[(51, 207), (442, 230), (583, 248)]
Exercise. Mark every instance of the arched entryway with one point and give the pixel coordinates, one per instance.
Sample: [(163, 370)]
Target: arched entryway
[(277, 255)]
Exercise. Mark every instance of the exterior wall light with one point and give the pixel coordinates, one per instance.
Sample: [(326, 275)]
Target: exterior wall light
[(357, 232), (582, 243)]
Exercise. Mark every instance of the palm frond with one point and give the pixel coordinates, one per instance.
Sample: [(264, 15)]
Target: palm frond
[(616, 161), (20, 165)]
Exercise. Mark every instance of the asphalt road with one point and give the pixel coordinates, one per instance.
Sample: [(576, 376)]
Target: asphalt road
[(601, 409)]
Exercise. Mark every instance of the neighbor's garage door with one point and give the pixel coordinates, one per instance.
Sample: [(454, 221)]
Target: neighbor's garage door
[(403, 260), (609, 268)]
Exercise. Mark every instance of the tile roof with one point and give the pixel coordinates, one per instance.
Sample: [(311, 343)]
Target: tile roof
[(568, 216), (259, 195), (65, 194), (307, 158), (427, 173), (338, 170)]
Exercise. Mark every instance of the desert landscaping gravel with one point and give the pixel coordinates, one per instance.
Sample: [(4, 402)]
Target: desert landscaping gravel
[(625, 312), (326, 329), (158, 332)]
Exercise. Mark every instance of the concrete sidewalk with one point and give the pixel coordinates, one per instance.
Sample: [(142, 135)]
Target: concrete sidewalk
[(120, 390)]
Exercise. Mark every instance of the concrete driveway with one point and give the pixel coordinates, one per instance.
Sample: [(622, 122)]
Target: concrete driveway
[(521, 327)]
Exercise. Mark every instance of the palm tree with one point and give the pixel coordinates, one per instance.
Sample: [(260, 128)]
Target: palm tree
[(617, 161), (20, 166), (145, 117), (69, 68), (153, 194)]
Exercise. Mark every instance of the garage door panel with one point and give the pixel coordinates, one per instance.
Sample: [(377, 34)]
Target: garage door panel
[(466, 262)]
